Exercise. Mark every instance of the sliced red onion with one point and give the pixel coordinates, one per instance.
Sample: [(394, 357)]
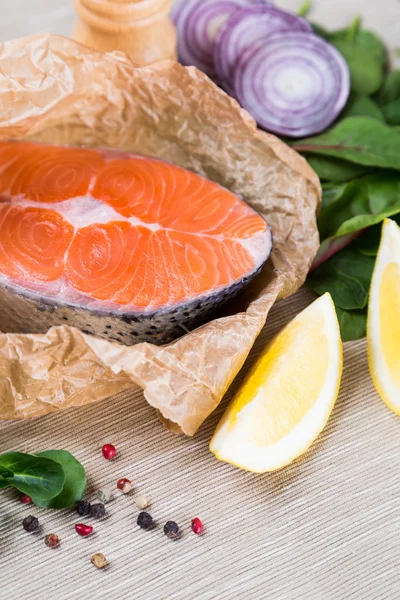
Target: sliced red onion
[(197, 23), (243, 29), (293, 83)]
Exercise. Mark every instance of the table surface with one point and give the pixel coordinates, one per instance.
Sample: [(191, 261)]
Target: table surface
[(325, 528)]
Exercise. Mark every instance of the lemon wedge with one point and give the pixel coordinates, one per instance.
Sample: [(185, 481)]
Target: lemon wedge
[(288, 395), (383, 325)]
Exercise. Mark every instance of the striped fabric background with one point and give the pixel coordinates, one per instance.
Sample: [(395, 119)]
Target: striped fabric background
[(325, 528)]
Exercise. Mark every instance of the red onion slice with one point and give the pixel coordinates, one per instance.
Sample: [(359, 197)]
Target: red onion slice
[(243, 29), (293, 84), (197, 23)]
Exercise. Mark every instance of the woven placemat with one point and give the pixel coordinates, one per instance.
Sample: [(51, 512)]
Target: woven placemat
[(324, 528)]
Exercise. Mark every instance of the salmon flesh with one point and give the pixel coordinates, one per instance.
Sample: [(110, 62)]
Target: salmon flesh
[(119, 245)]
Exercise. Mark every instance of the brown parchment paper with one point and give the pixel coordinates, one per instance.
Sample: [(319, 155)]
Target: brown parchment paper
[(55, 90)]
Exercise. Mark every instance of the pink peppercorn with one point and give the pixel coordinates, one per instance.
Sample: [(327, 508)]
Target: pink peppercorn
[(52, 540), (197, 526), (25, 499), (124, 485), (109, 451), (83, 530)]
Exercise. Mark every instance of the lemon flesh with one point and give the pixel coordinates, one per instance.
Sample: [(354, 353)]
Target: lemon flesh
[(383, 329), (288, 395)]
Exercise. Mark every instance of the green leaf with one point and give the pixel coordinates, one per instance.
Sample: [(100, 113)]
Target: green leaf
[(366, 56), (321, 31), (347, 276), (5, 473), (39, 477), (360, 140), (353, 324), (391, 112), (360, 105), (75, 479), (390, 90), (359, 204), (305, 8), (333, 169), (368, 242)]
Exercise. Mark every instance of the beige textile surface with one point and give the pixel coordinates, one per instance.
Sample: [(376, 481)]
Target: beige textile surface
[(325, 528)]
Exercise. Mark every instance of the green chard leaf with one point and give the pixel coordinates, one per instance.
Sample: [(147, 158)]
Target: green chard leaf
[(360, 105), (333, 169), (359, 204), (353, 324), (346, 276), (39, 477), (360, 140), (390, 90), (75, 479), (391, 112)]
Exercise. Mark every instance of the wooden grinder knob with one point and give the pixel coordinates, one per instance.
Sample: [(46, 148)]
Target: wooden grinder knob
[(141, 28)]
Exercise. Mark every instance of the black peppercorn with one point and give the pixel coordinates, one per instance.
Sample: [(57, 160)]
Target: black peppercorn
[(30, 524), (145, 521), (83, 508), (171, 530), (97, 510)]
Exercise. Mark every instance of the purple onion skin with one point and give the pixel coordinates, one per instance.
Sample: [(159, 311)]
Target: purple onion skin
[(293, 84), (197, 23), (243, 29)]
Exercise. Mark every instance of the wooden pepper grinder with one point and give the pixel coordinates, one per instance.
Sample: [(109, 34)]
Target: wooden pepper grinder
[(141, 28)]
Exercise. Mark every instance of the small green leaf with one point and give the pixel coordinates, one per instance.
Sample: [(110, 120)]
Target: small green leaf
[(360, 105), (305, 8), (75, 479), (347, 276), (353, 324), (359, 204), (390, 90), (391, 112), (329, 168), (5, 473), (360, 140), (38, 477)]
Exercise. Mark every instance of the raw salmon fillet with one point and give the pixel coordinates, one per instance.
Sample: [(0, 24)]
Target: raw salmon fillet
[(89, 236)]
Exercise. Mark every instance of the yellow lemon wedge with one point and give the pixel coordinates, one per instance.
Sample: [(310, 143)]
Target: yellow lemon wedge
[(288, 395), (383, 325)]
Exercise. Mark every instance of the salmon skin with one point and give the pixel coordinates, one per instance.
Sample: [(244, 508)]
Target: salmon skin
[(122, 246)]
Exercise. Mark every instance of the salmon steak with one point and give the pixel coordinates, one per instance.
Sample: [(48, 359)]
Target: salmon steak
[(123, 246)]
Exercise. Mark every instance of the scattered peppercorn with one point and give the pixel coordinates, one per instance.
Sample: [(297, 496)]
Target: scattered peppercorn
[(145, 521), (25, 499), (83, 508), (142, 502), (83, 530), (104, 495), (171, 530), (99, 560), (109, 451), (97, 510), (197, 526), (52, 540), (30, 524), (124, 485)]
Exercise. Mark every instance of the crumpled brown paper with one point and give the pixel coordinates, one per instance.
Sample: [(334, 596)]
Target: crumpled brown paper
[(54, 90)]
